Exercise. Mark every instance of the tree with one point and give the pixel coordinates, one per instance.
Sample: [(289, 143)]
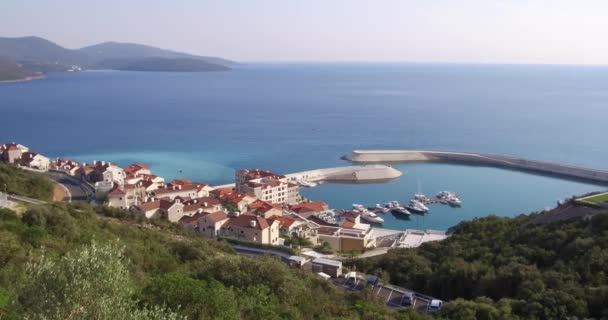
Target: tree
[(90, 283)]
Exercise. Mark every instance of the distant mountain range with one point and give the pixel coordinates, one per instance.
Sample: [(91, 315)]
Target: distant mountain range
[(22, 57)]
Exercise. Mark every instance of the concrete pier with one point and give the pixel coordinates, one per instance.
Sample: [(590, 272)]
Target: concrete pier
[(347, 174), (360, 174), (383, 156)]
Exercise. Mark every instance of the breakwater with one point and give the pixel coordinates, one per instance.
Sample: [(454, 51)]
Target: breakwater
[(383, 156)]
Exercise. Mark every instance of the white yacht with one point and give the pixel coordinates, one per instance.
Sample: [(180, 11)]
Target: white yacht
[(371, 217)]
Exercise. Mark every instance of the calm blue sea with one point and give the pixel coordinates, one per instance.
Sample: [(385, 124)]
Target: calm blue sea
[(293, 117)]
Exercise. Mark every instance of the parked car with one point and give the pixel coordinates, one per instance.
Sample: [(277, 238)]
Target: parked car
[(435, 305), (408, 299)]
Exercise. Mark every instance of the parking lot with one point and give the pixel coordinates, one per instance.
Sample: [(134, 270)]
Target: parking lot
[(393, 296)]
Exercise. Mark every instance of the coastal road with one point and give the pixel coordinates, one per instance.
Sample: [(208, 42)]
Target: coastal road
[(80, 191)]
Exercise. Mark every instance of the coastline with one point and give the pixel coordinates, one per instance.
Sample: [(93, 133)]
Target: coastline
[(31, 78)]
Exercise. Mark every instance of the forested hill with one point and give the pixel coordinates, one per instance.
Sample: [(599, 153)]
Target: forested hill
[(35, 54), (507, 268)]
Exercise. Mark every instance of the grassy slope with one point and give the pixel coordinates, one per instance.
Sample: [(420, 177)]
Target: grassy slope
[(23, 183)]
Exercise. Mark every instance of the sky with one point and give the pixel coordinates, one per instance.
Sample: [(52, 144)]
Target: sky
[(457, 31)]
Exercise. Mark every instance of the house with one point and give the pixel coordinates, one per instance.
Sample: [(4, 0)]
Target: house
[(202, 189), (35, 160), (286, 224), (171, 210), (149, 186), (327, 266), (204, 204), (69, 167), (210, 224), (346, 239), (252, 228), (124, 197), (264, 209), (151, 177), (137, 169), (102, 171), (307, 209), (220, 193), (11, 152), (191, 222), (188, 191), (239, 201)]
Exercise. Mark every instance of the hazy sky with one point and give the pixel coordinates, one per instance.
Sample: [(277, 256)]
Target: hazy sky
[(504, 31)]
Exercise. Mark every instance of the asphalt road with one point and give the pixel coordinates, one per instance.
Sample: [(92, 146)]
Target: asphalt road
[(79, 190)]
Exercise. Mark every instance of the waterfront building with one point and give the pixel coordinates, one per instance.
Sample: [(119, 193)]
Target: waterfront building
[(349, 235), (267, 186), (306, 209), (272, 190), (243, 176)]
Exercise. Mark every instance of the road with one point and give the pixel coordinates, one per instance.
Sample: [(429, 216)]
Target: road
[(80, 191)]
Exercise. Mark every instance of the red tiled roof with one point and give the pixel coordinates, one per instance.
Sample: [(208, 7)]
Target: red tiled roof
[(161, 191), (309, 207), (148, 177), (219, 192), (284, 222), (262, 206), (182, 182), (132, 168), (151, 205), (216, 216), (117, 192), (255, 174), (244, 221), (191, 220)]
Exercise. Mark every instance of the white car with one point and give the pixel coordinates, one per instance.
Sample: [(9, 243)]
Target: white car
[(435, 305)]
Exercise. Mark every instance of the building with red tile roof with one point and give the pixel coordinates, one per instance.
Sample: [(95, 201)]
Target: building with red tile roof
[(252, 228), (264, 209), (137, 169)]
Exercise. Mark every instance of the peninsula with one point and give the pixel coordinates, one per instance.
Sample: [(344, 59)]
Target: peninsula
[(27, 58)]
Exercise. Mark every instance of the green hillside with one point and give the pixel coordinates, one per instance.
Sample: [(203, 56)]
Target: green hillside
[(96, 263), (505, 268)]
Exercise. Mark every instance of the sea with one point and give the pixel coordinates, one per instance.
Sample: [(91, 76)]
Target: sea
[(296, 117)]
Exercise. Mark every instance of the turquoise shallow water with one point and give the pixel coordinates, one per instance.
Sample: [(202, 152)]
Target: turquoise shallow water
[(483, 190), (299, 117)]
